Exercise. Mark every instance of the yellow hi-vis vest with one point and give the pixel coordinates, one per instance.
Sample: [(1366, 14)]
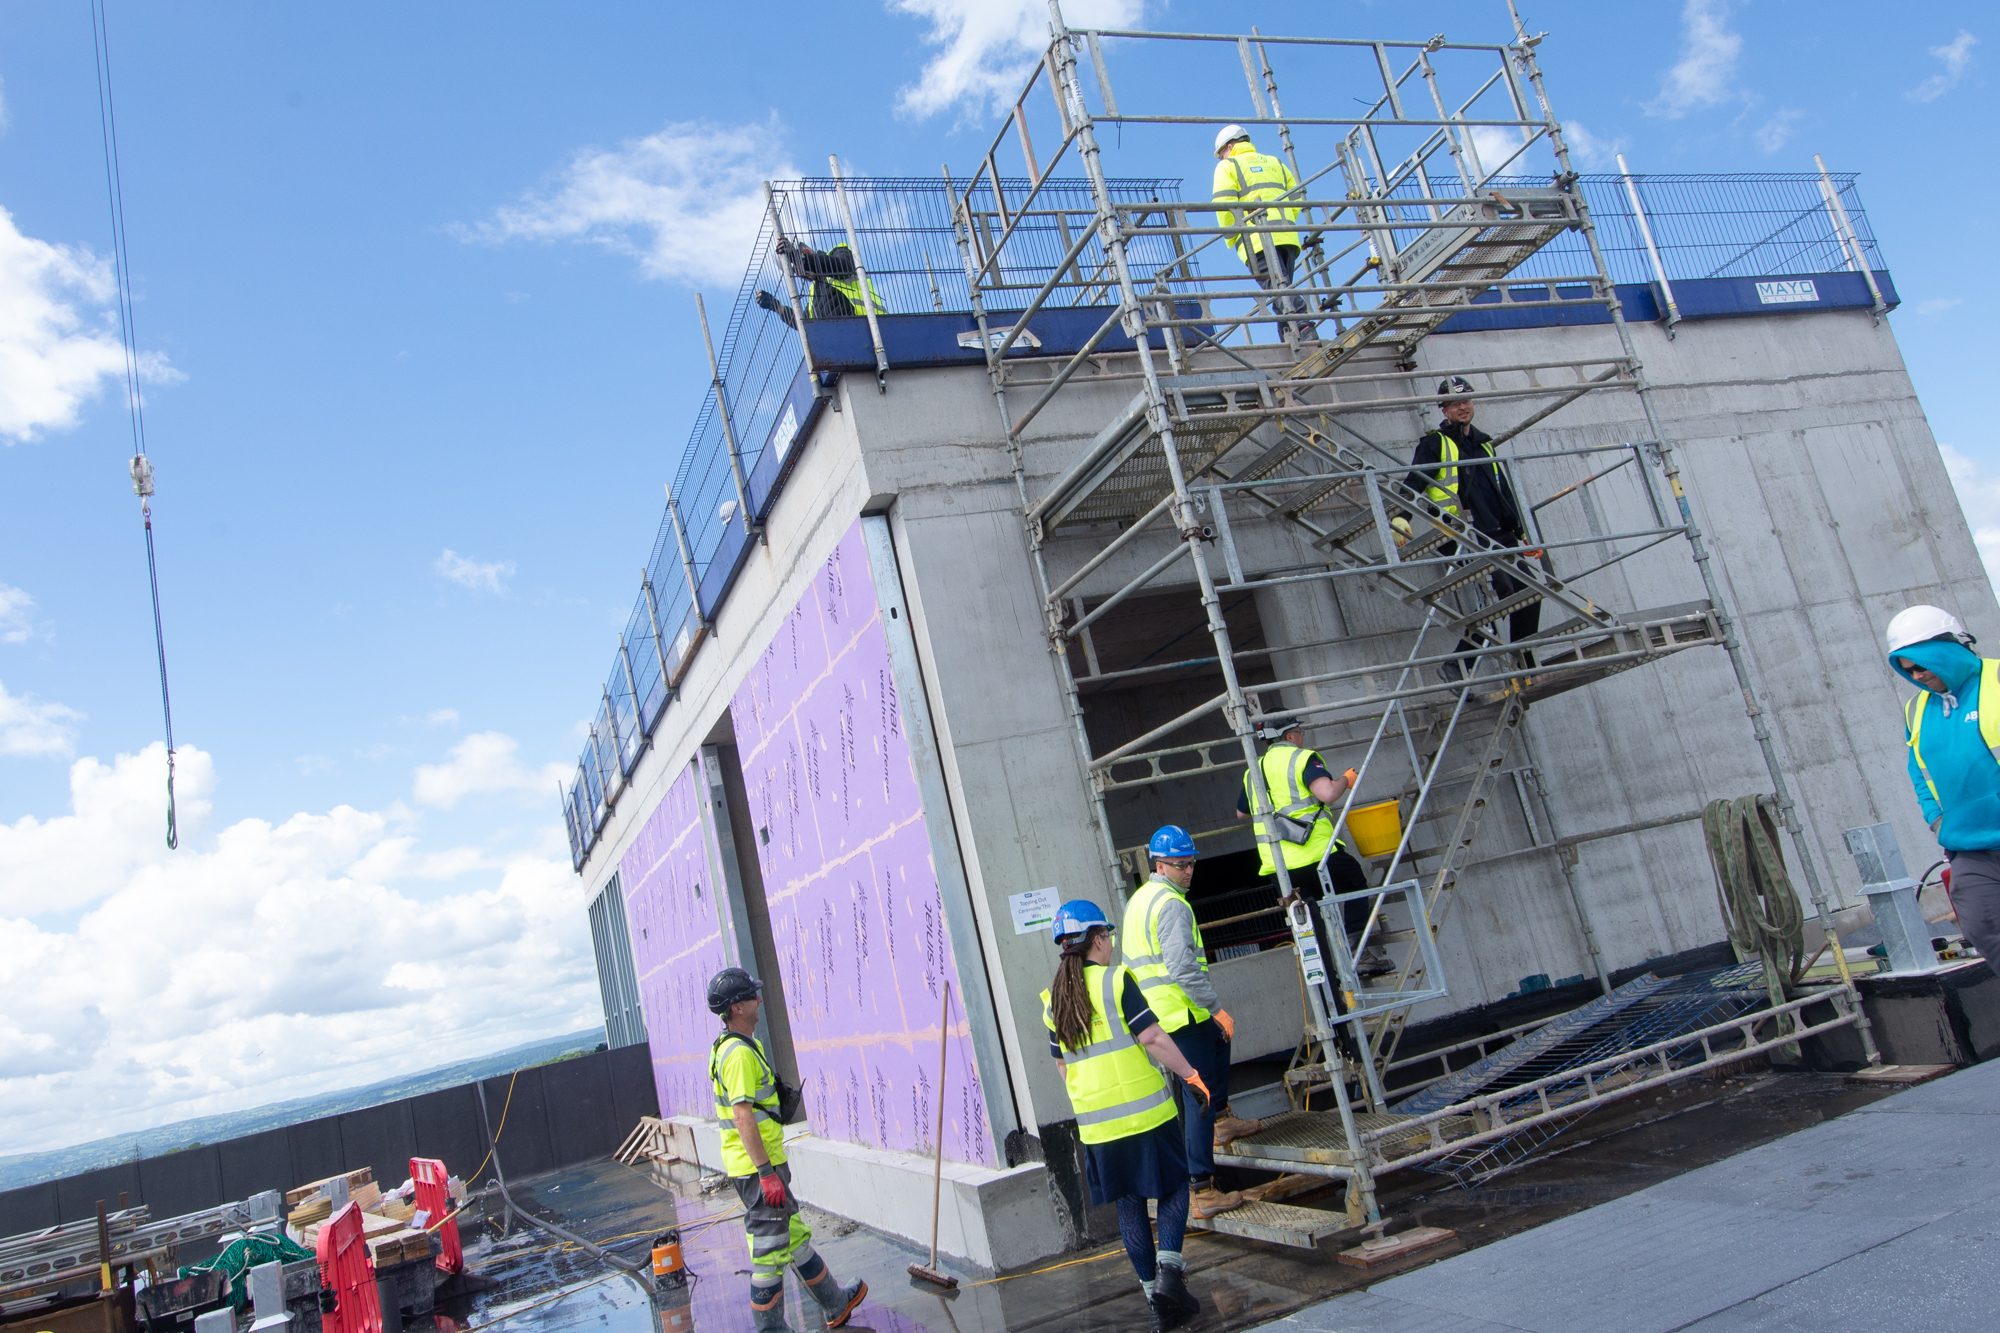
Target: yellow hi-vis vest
[(1444, 493), (736, 1076), (1285, 778), (1989, 719), (1170, 1004), (851, 289), (1249, 177), (1113, 1087)]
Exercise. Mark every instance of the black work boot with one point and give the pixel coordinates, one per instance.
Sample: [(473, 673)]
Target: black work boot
[(1172, 1300)]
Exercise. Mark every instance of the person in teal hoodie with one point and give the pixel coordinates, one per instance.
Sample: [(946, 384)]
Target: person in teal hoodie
[(1952, 761)]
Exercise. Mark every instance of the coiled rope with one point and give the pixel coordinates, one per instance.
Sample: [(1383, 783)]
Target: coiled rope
[(1759, 906)]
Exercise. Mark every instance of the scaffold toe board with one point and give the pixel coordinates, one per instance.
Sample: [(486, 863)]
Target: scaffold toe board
[(1311, 1141)]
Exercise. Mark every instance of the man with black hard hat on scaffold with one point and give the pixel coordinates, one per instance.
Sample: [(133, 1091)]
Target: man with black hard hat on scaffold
[(751, 1102), (1456, 471)]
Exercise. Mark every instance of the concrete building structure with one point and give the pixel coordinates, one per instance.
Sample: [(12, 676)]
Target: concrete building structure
[(844, 745)]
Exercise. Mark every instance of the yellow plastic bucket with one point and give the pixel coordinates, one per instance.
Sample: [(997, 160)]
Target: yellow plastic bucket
[(1376, 829)]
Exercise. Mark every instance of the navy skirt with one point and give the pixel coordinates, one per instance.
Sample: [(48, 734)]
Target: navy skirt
[(1152, 1165)]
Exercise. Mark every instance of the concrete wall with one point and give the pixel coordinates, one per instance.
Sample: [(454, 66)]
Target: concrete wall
[(570, 1111)]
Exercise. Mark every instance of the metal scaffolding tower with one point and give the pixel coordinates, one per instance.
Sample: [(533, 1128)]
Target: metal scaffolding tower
[(1413, 211)]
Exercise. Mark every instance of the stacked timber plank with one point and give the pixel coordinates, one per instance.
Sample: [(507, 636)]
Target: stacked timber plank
[(387, 1224)]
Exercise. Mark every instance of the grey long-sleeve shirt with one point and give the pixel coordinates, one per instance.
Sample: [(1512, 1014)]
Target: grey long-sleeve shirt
[(1180, 953)]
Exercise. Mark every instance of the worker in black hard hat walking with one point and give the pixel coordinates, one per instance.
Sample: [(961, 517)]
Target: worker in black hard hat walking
[(750, 1103), (1454, 469)]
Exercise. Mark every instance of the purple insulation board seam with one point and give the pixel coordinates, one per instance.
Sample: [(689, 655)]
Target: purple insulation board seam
[(852, 893), (670, 908)]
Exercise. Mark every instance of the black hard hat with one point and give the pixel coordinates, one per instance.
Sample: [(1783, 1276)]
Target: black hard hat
[(731, 985), (1454, 388)]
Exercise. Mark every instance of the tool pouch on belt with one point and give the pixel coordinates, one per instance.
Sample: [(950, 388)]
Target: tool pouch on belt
[(790, 1100), (1292, 830)]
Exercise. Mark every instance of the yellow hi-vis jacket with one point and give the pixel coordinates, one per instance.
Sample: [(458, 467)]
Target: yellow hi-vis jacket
[(1285, 778), (1989, 720), (1444, 493), (1251, 179), (742, 1073), (1148, 960), (850, 288), (1113, 1087)]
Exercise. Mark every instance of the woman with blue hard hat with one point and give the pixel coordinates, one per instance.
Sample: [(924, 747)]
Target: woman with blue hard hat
[(1100, 1032)]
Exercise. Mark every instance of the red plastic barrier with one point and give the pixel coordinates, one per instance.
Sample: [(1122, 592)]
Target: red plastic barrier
[(434, 1199), (347, 1271)]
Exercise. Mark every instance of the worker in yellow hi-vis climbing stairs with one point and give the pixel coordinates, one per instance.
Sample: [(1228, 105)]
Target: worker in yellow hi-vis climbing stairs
[(748, 1095), (1248, 183)]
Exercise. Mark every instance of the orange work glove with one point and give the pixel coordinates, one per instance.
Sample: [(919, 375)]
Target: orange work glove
[(1227, 1024), (1350, 777), (1200, 1089)]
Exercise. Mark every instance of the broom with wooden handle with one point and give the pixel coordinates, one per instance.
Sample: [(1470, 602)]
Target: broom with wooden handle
[(929, 1272)]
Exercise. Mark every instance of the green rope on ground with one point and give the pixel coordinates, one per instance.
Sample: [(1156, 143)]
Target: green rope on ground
[(241, 1255), (1759, 906)]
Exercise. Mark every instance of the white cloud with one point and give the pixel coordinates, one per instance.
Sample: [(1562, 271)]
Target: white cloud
[(1704, 74), (1979, 496), (483, 762), (1956, 56), (52, 357), (480, 576), (441, 717), (1937, 305), (39, 730), (17, 615), (1589, 150), (266, 962), (686, 202), (1776, 132), (988, 47)]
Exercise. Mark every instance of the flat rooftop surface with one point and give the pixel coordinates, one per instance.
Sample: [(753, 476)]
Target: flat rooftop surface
[(1602, 1198), (1889, 1215)]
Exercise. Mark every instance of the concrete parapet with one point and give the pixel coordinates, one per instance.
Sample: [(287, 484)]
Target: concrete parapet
[(993, 1219)]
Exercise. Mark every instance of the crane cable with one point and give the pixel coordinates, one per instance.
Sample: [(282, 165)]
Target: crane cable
[(140, 467)]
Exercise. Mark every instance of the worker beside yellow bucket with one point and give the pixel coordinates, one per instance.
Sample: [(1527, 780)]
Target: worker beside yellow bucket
[(1305, 793)]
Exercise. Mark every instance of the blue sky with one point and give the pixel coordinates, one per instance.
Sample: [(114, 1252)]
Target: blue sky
[(416, 288)]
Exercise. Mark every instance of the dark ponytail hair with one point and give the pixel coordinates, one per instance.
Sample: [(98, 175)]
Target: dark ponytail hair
[(1069, 997)]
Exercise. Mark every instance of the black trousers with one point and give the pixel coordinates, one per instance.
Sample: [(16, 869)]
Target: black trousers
[(1521, 624)]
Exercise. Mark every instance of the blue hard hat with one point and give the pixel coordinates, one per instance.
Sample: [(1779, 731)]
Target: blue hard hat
[(1076, 916), (1171, 840)]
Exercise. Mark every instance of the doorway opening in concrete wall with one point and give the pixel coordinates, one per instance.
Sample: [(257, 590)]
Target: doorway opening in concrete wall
[(747, 938)]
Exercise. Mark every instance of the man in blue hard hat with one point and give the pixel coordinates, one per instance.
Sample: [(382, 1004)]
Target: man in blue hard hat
[(1164, 949)]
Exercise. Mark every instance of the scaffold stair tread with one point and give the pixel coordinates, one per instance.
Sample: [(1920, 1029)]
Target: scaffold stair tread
[(1273, 1223), (1468, 1082)]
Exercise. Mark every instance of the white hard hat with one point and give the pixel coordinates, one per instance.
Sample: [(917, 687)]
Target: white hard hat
[(1227, 135), (1918, 623)]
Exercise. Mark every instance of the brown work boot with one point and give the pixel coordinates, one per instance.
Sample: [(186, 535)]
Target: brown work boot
[(1233, 1127), (1210, 1201)]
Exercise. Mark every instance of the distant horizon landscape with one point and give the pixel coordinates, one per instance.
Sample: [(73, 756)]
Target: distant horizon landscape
[(34, 1168)]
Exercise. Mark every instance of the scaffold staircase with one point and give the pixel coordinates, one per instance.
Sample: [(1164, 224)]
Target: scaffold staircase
[(1216, 434)]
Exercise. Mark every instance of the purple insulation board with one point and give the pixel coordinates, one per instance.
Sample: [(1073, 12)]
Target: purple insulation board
[(846, 859), (670, 886)]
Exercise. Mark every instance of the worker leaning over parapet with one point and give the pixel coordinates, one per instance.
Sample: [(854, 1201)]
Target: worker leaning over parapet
[(1449, 472), (836, 280), (1163, 945), (1303, 792), (1248, 181), (1952, 758), (748, 1098), (1100, 1031)]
